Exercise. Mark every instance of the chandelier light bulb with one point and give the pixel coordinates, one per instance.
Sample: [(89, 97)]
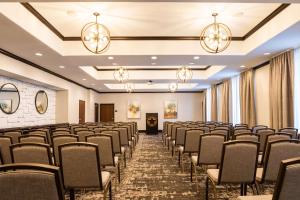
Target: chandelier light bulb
[(173, 87), (129, 87), (121, 75), (184, 74)]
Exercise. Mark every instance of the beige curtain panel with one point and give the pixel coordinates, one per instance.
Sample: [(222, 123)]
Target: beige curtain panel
[(282, 91), (214, 102), (247, 98), (225, 101)]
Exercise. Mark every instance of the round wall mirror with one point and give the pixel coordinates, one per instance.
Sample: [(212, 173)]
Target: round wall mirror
[(9, 98), (41, 101)]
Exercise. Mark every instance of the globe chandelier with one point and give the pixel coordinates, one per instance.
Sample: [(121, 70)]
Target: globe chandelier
[(121, 74), (215, 37), (173, 87), (95, 36), (129, 87), (184, 74)]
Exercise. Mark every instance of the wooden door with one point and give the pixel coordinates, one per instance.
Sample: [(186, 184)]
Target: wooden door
[(107, 112), (81, 111), (96, 112)]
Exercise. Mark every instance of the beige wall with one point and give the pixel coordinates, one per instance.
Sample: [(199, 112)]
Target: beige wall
[(12, 67), (188, 104), (262, 98)]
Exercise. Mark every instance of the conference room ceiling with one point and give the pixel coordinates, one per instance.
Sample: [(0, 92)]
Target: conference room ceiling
[(174, 28)]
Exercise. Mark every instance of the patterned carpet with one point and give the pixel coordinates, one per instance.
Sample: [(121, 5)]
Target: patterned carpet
[(154, 174)]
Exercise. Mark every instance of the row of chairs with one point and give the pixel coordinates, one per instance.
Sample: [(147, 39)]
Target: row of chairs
[(213, 148)]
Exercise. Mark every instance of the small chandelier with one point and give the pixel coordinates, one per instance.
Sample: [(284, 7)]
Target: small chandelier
[(121, 74), (215, 37), (184, 74), (173, 87), (129, 87), (95, 37)]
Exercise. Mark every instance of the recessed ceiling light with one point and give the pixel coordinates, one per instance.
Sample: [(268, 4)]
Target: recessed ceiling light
[(196, 57), (191, 63), (153, 57), (153, 63), (38, 54), (266, 54), (84, 79), (110, 58), (114, 64), (242, 66), (61, 66)]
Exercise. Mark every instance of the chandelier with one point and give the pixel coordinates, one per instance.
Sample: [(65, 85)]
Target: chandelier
[(173, 87), (215, 37), (95, 37), (121, 74), (129, 87), (184, 74)]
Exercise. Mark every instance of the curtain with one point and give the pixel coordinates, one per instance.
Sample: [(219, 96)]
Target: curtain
[(297, 88), (225, 101), (219, 102), (247, 107), (214, 108), (235, 103), (208, 104), (282, 91)]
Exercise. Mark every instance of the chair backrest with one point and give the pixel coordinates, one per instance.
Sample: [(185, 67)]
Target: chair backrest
[(258, 127), (14, 136), (5, 142), (263, 133), (77, 129), (123, 135), (169, 129), (275, 137), (242, 130), (83, 134), (174, 131), (41, 132), (62, 132), (105, 147), (80, 165), (59, 140), (222, 132), (191, 141), (100, 129), (32, 139), (31, 153), (30, 181), (276, 152), (241, 125), (291, 131), (116, 138), (180, 136), (247, 137), (210, 149), (288, 181), (238, 162), (62, 129), (205, 129)]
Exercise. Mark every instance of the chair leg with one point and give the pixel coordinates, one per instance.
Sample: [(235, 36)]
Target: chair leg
[(192, 171), (257, 188), (110, 191), (245, 189), (242, 189), (119, 174), (72, 194), (172, 150), (207, 189), (125, 159), (179, 158)]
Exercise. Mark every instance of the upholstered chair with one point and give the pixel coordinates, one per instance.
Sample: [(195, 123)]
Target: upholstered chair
[(241, 126), (80, 168), (83, 134), (179, 138), (41, 132), (59, 140), (191, 144), (14, 136), (99, 129), (258, 127), (247, 137), (263, 133), (222, 132), (5, 142), (109, 161), (31, 153), (126, 146), (32, 139), (173, 137), (288, 181), (291, 131), (276, 151), (60, 132), (210, 152), (242, 130), (238, 166), (61, 129), (30, 181)]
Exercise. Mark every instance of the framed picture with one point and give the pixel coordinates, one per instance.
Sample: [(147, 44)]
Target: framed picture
[(170, 110), (6, 105), (134, 110)]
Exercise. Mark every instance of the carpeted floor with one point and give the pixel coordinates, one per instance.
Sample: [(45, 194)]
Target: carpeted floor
[(153, 174)]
